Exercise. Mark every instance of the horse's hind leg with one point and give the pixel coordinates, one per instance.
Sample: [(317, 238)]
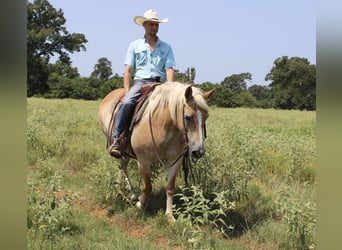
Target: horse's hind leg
[(147, 185), (123, 167)]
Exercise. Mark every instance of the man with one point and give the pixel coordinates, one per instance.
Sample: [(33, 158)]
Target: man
[(150, 60)]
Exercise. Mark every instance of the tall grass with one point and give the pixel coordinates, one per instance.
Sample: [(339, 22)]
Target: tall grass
[(260, 163)]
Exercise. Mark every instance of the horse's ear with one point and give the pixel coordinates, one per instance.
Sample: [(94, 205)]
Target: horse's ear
[(188, 94), (208, 94)]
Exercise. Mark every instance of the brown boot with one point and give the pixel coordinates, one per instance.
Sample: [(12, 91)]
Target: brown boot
[(114, 149)]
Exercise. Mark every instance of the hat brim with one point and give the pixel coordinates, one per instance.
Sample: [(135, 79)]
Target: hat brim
[(139, 20)]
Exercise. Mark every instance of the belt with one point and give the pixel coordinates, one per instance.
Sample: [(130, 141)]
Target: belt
[(152, 79)]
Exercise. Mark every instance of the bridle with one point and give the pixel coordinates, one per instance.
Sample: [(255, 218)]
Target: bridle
[(185, 152)]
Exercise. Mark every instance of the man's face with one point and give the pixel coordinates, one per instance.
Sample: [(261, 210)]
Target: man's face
[(151, 28)]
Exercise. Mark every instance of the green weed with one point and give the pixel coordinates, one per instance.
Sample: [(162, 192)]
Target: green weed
[(50, 212), (300, 217), (256, 183)]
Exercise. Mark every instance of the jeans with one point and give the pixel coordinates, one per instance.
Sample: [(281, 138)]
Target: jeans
[(127, 106)]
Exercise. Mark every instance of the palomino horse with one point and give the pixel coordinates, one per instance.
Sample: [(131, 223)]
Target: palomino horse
[(171, 125)]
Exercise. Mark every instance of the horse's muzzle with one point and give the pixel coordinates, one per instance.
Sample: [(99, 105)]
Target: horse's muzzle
[(196, 154)]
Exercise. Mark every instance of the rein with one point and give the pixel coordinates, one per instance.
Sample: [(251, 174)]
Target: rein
[(187, 166), (155, 146), (185, 152)]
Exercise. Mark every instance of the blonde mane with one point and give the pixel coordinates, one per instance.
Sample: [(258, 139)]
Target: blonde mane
[(172, 95)]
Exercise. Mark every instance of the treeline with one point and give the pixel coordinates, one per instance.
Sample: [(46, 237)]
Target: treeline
[(292, 80), (293, 86)]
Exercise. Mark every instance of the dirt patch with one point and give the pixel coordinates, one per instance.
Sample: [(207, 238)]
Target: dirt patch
[(131, 228)]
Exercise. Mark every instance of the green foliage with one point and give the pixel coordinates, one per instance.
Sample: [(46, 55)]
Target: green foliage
[(203, 211), (254, 158), (263, 96), (102, 70), (80, 88), (259, 168), (75, 88), (223, 97), (46, 37), (187, 77), (63, 69), (59, 86), (201, 215), (293, 83), (254, 209), (300, 217), (237, 82), (85, 88), (114, 83), (49, 214), (245, 99), (293, 80), (56, 131), (109, 187), (42, 144)]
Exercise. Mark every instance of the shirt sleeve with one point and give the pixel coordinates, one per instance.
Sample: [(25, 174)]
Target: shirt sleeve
[(129, 60), (170, 60)]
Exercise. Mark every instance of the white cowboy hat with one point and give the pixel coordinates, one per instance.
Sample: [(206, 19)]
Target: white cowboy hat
[(149, 15)]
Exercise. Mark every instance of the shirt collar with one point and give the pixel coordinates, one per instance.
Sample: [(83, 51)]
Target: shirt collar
[(145, 41)]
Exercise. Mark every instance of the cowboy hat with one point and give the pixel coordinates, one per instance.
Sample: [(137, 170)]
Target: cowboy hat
[(149, 15)]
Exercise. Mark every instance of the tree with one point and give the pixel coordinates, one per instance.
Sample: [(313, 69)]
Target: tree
[(59, 86), (293, 83), (114, 83), (191, 74), (83, 89), (102, 70), (237, 82), (223, 97), (263, 95), (63, 69), (245, 99), (46, 37), (187, 77)]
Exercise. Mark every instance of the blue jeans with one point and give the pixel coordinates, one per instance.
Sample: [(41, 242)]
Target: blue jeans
[(127, 106)]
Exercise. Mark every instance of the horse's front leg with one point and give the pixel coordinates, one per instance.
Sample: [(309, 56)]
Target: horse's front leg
[(145, 172), (170, 190)]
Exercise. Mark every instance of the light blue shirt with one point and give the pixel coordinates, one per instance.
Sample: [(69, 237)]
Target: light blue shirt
[(147, 63)]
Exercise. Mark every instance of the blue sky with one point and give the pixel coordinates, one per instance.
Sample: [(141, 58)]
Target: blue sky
[(218, 37)]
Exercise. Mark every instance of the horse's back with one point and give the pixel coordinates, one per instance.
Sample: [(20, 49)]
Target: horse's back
[(116, 93), (107, 105)]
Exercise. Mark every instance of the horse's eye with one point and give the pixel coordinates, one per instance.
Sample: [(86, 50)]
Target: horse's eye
[(187, 118)]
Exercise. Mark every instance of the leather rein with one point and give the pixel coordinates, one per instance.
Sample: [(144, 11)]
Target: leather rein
[(184, 153)]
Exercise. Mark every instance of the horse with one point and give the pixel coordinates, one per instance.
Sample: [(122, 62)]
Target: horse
[(171, 127)]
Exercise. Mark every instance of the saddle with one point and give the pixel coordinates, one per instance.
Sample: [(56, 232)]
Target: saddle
[(140, 106)]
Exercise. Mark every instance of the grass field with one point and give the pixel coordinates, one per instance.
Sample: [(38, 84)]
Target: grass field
[(254, 189)]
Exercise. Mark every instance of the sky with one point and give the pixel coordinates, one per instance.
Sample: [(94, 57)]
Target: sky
[(218, 37)]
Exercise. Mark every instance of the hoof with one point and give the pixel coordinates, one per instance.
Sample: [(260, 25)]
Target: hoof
[(139, 205), (170, 217)]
